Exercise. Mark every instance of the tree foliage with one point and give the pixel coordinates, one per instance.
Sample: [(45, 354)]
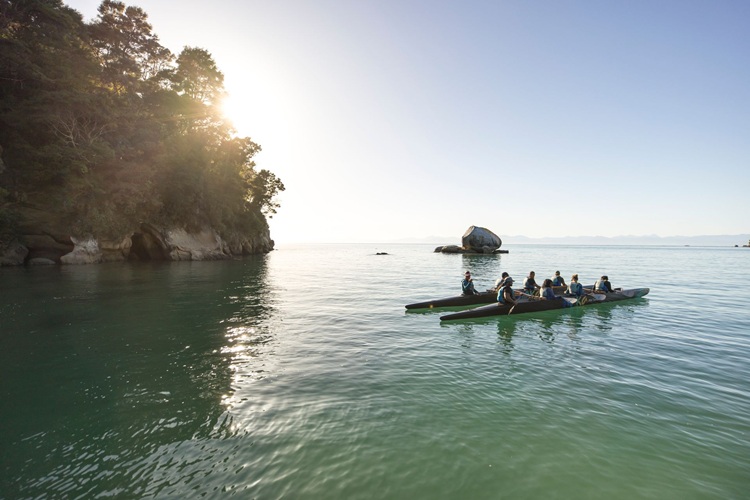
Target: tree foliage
[(104, 125)]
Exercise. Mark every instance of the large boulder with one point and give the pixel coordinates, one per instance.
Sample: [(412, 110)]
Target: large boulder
[(481, 240)]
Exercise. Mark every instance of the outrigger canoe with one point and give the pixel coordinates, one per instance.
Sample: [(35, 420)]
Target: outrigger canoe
[(526, 305), (488, 297)]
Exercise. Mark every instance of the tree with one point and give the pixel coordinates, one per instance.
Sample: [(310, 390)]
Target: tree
[(263, 187), (45, 70), (197, 76), (99, 126), (129, 52)]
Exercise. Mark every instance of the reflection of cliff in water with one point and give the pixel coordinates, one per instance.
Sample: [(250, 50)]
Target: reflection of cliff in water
[(113, 368)]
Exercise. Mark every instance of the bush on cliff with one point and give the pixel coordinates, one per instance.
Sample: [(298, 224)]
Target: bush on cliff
[(103, 126)]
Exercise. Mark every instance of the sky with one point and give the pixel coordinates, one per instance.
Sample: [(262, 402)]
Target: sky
[(395, 119)]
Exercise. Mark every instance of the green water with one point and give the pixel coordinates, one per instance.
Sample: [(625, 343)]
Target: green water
[(300, 375)]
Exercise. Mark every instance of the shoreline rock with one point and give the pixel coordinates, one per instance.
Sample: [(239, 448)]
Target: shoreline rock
[(148, 242), (476, 240), (464, 250)]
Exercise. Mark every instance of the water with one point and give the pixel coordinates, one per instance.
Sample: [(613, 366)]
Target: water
[(300, 375)]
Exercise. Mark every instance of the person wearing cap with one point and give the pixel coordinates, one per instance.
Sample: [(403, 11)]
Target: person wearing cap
[(505, 293), (467, 286), (558, 280), (575, 288), (603, 285), (529, 285)]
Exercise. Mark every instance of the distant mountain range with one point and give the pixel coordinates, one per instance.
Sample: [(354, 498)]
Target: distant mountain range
[(722, 240)]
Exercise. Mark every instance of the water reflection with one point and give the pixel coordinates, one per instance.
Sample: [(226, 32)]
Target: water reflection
[(106, 369), (485, 268), (505, 332), (548, 326)]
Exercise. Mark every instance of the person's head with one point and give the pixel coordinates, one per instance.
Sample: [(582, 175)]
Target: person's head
[(508, 281), (547, 283), (557, 273), (531, 274), (467, 275), (574, 278), (605, 278), (504, 275)]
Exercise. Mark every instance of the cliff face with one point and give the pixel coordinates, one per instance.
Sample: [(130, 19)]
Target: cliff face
[(44, 240)]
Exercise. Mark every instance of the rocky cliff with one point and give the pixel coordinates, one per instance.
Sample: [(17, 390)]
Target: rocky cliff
[(43, 240)]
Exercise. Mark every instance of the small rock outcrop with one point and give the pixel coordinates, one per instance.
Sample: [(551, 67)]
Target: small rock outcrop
[(85, 251), (476, 240)]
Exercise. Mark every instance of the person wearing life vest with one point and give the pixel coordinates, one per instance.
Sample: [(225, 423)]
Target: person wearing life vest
[(529, 285), (575, 289), (558, 280), (603, 285), (499, 281), (467, 286), (546, 292), (505, 293)]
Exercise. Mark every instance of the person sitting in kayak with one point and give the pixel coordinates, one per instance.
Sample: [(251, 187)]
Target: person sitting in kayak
[(558, 280), (575, 289), (499, 282), (505, 293), (529, 285), (467, 286), (546, 292), (603, 285)]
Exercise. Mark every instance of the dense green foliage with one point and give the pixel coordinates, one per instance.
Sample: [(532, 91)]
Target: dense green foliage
[(103, 125)]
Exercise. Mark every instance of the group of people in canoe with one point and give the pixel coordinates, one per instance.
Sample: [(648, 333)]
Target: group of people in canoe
[(506, 294)]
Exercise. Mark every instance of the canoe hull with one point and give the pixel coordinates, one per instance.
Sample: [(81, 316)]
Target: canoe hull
[(488, 297), (495, 309), (460, 300), (530, 306)]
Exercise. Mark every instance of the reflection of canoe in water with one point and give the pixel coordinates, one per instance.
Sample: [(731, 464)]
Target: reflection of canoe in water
[(488, 297), (525, 305)]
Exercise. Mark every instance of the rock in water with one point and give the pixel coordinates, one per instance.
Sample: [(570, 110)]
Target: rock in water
[(481, 240)]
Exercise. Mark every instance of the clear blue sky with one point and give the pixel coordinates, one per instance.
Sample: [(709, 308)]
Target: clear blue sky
[(402, 118)]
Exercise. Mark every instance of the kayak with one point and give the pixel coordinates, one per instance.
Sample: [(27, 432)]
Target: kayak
[(620, 294), (526, 305), (460, 300), (523, 305), (488, 297)]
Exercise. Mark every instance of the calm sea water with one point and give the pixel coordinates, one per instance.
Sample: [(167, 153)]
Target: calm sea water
[(299, 375)]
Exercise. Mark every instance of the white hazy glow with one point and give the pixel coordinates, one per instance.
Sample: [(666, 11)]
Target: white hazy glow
[(394, 119)]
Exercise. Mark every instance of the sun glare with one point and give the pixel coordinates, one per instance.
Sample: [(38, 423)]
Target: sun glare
[(237, 111)]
